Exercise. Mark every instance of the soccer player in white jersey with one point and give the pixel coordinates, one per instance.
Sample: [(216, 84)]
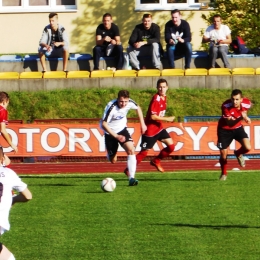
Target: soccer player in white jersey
[(9, 181), (114, 123)]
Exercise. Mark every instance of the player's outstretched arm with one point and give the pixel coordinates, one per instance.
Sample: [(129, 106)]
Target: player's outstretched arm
[(163, 118), (231, 121), (141, 119), (7, 137), (105, 126), (23, 196)]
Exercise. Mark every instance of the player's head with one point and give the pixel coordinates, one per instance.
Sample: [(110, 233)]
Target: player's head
[(107, 20), (162, 87), (236, 97), (123, 98), (4, 99)]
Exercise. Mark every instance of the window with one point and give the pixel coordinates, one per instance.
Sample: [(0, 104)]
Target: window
[(16, 6), (149, 5)]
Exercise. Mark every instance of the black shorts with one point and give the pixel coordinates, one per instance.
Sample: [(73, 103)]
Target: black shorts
[(149, 141), (225, 137), (112, 143)]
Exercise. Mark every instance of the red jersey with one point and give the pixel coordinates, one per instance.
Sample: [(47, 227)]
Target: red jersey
[(157, 107), (229, 110), (3, 115)]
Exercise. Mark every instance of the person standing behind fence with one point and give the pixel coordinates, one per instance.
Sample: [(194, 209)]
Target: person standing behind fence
[(108, 43), (219, 37), (9, 181), (145, 41), (54, 42), (234, 111)]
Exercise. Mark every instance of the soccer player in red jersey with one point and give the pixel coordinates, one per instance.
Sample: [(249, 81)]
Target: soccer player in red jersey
[(4, 101), (234, 111), (155, 130)]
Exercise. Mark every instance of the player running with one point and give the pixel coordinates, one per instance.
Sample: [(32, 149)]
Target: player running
[(114, 123), (4, 102), (230, 127), (9, 181), (155, 131)]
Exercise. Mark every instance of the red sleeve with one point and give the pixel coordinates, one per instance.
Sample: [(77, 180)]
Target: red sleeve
[(155, 106), (246, 104), (3, 115)]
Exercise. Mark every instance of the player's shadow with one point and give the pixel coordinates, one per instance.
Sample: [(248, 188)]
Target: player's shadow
[(175, 179), (52, 184), (208, 226)]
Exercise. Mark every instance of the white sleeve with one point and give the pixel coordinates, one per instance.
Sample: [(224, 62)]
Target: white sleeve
[(227, 30), (17, 183)]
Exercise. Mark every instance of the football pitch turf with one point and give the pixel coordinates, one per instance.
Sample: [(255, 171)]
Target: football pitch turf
[(184, 215)]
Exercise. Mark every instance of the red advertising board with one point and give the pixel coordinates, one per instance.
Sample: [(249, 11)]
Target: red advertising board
[(87, 139)]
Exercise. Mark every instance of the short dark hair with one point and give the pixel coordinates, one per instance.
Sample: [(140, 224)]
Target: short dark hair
[(216, 16), (147, 16), (3, 96), (236, 92), (51, 15), (107, 15), (176, 11), (123, 93), (161, 81)]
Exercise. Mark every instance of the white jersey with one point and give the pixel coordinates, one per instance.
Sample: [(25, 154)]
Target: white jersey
[(220, 34), (115, 116), (9, 180)]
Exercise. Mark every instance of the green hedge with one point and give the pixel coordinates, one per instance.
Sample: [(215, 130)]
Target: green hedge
[(90, 103)]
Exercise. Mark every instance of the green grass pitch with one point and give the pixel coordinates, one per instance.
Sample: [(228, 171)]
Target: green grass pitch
[(185, 215)]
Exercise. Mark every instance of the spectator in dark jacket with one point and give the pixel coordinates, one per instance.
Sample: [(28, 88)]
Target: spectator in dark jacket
[(108, 42), (145, 40), (178, 38)]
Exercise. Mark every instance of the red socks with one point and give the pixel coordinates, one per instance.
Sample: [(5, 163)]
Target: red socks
[(140, 156), (223, 165), (240, 151), (165, 152)]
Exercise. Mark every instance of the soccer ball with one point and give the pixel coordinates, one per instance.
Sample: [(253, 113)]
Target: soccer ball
[(108, 185)]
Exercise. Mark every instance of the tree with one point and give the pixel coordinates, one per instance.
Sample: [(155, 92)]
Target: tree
[(242, 17)]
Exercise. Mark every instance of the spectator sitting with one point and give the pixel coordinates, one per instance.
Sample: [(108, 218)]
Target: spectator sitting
[(54, 42), (178, 38), (145, 40), (108, 42), (219, 37)]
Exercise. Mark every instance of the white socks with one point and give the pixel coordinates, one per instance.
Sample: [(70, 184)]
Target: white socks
[(131, 165)]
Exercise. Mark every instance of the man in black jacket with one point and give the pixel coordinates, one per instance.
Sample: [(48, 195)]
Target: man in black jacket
[(145, 40), (108, 43), (178, 38)]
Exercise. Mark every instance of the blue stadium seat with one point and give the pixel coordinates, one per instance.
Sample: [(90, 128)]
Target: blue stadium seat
[(78, 56), (10, 58)]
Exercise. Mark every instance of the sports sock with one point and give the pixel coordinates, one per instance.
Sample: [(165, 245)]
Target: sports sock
[(141, 155), (240, 151), (165, 152), (223, 165), (131, 165)]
